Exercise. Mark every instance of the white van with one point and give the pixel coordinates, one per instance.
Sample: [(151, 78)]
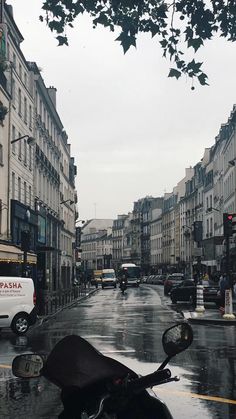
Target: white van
[(17, 303), (108, 278)]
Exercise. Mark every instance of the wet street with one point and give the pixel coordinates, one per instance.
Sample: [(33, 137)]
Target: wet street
[(129, 329)]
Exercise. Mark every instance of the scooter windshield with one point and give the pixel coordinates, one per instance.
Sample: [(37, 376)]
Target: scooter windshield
[(75, 362)]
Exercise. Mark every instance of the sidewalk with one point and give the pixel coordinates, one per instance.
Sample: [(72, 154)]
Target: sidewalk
[(209, 316), (46, 317)]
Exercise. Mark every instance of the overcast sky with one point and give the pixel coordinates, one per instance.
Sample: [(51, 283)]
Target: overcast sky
[(132, 130)]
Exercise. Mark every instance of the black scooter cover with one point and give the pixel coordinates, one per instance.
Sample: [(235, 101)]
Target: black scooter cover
[(75, 362)]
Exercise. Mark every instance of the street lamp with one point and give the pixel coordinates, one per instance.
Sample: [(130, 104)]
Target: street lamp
[(30, 140), (67, 200), (80, 221)]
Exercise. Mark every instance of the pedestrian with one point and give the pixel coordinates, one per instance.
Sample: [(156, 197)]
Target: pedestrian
[(195, 278), (205, 280), (224, 285)]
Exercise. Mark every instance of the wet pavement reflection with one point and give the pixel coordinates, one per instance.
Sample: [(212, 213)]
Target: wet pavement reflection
[(129, 329)]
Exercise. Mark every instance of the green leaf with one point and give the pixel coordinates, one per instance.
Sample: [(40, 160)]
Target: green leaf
[(164, 43), (174, 73), (195, 43), (203, 79), (126, 41), (194, 66), (62, 40)]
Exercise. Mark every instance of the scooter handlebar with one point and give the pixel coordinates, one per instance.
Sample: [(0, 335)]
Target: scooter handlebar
[(150, 380)]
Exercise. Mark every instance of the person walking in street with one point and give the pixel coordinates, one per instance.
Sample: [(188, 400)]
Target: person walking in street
[(224, 285)]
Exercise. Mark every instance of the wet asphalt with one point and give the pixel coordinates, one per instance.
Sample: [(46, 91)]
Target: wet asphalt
[(128, 328)]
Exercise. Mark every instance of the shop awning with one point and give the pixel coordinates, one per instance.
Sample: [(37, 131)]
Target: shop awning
[(206, 262), (12, 254), (209, 262)]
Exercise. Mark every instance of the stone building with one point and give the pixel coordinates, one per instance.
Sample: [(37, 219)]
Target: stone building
[(96, 245), (39, 189)]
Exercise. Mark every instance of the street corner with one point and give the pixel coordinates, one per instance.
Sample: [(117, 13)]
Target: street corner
[(207, 317)]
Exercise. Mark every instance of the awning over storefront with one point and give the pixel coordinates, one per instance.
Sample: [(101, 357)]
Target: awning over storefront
[(12, 254), (206, 262)]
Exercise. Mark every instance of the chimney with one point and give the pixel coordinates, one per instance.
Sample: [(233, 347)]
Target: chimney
[(52, 93)]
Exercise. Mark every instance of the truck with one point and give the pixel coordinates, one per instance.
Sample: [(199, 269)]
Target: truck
[(96, 279)]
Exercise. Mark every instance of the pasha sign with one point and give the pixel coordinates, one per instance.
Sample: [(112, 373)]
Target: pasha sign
[(10, 285)]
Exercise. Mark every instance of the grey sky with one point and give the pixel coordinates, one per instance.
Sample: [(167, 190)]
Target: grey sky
[(132, 130)]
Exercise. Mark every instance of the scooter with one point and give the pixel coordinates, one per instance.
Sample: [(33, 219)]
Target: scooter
[(123, 286), (96, 386)]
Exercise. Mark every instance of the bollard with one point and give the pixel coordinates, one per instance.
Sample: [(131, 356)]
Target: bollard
[(200, 303), (228, 305)]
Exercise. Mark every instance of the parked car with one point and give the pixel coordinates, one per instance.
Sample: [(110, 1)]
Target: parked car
[(160, 279), (149, 279), (187, 291), (171, 281)]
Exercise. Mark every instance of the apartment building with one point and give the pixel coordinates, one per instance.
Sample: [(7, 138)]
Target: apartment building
[(39, 189)]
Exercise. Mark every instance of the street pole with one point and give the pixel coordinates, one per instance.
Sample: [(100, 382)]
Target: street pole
[(24, 265), (227, 260)]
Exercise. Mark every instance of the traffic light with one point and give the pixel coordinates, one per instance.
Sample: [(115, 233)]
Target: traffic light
[(197, 231), (25, 241), (228, 224)]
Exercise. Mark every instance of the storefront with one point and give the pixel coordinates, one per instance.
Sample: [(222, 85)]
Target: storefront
[(11, 260)]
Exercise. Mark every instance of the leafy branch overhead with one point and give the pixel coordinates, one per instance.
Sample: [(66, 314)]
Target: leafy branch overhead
[(179, 25)]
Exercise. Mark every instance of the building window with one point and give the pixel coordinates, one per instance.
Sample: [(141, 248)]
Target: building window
[(25, 80), (13, 138), (19, 102), (25, 152), (13, 186), (30, 116), (25, 110), (25, 193), (19, 147), (1, 154), (20, 71), (14, 60), (19, 189), (30, 157), (30, 191), (36, 102), (13, 90)]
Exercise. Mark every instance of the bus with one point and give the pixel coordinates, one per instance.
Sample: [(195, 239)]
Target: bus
[(132, 273)]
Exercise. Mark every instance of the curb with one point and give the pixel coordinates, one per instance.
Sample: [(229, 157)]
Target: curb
[(44, 319), (199, 320)]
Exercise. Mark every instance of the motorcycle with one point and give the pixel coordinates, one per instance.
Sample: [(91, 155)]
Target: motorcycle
[(123, 286), (95, 386)]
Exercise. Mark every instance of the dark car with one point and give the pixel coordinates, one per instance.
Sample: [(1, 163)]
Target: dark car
[(171, 281), (187, 291)]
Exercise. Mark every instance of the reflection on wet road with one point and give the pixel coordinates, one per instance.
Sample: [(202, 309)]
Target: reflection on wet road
[(129, 329)]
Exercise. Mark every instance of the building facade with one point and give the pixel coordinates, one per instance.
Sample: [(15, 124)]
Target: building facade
[(39, 193)]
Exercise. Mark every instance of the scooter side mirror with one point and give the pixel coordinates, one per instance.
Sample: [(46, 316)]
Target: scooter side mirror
[(177, 338), (27, 365)]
